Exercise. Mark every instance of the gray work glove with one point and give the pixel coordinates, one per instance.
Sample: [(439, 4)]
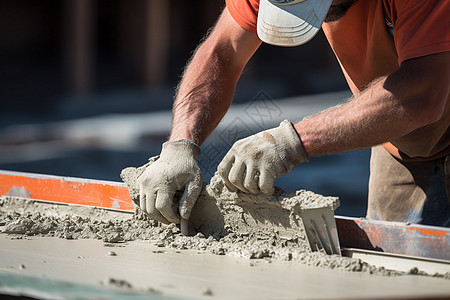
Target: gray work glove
[(253, 163), (175, 170)]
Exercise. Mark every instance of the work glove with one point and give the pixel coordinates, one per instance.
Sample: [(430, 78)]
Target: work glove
[(176, 170), (253, 163)]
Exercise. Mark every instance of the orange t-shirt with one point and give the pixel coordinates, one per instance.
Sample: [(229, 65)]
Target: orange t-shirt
[(367, 49)]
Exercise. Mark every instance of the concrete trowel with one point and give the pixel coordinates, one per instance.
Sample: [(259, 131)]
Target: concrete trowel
[(321, 231)]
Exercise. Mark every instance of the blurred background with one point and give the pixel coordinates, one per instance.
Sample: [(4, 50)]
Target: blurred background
[(86, 88)]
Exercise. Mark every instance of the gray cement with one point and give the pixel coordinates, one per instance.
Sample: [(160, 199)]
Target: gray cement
[(222, 223), (141, 267), (21, 218), (219, 212)]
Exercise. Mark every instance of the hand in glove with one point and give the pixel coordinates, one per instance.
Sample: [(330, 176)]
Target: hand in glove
[(175, 170), (253, 163)]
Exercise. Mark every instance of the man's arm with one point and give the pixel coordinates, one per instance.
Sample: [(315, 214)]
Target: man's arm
[(206, 90), (203, 97), (391, 107)]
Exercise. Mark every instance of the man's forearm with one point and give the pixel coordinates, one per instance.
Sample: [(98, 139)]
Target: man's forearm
[(203, 96), (206, 90), (390, 108), (370, 118)]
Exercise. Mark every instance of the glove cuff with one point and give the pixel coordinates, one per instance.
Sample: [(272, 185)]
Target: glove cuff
[(181, 146), (296, 152)]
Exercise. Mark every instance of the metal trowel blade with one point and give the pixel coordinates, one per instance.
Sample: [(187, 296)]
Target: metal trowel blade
[(321, 231)]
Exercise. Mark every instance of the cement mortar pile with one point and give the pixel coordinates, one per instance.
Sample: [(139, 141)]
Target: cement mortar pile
[(219, 212), (20, 218)]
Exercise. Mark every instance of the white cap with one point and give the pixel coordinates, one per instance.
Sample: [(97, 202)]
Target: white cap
[(290, 22)]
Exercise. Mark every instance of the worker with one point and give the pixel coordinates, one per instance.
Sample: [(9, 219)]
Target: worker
[(395, 57)]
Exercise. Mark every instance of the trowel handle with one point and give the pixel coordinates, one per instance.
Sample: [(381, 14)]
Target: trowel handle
[(184, 226)]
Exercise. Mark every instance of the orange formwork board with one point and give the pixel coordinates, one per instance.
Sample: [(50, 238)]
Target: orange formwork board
[(394, 237), (68, 190)]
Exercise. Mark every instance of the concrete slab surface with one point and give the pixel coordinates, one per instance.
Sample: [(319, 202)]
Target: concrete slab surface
[(189, 274)]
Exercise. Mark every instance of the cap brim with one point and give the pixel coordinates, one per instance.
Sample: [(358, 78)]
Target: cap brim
[(290, 25)]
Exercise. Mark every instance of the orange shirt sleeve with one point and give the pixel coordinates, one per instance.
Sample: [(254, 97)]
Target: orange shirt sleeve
[(244, 12), (420, 27)]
